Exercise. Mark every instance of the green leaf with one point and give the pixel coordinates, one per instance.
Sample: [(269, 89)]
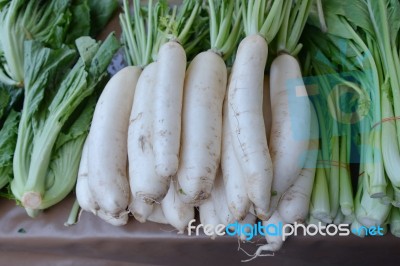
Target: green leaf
[(394, 19), (43, 21), (54, 137), (8, 140), (4, 100), (80, 21), (100, 13)]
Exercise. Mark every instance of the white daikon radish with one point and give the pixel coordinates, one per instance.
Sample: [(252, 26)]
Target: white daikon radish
[(220, 201), (261, 23), (209, 218), (205, 86), (177, 213), (83, 194), (295, 202), (167, 101), (290, 132), (234, 182), (204, 93), (107, 150), (146, 186), (245, 113)]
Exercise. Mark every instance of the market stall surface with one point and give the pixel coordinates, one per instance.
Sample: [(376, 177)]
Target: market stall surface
[(46, 241)]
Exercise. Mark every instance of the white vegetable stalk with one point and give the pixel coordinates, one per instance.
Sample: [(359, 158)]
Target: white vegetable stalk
[(204, 92), (370, 211), (245, 101), (346, 200), (294, 206), (245, 114), (205, 85), (208, 216), (167, 100), (234, 182), (83, 194), (319, 205), (390, 146), (290, 124), (145, 185), (333, 177), (395, 222), (220, 201), (168, 96), (289, 103), (107, 149)]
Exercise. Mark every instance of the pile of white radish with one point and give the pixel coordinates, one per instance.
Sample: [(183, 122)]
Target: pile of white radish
[(169, 136)]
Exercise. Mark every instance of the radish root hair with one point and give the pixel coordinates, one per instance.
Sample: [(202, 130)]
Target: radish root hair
[(267, 247)]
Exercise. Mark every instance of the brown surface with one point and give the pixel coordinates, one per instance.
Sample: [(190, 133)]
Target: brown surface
[(46, 241)]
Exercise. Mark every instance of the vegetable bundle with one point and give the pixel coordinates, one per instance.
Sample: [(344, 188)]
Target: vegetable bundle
[(361, 116), (51, 71)]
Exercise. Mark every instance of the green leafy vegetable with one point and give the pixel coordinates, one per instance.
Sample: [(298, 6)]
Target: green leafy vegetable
[(26, 20), (48, 150), (9, 119), (8, 139), (51, 22)]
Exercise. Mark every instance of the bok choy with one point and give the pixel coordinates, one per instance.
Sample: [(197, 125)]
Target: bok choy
[(55, 118)]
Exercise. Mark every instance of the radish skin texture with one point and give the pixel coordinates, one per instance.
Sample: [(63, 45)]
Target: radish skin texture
[(177, 213), (140, 209), (208, 215), (168, 95), (146, 186), (108, 179), (290, 132), (83, 194), (232, 174), (245, 113), (220, 202), (204, 93), (295, 202), (157, 216)]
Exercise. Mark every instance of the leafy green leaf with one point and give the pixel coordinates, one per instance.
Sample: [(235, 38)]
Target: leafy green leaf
[(100, 13), (8, 140), (80, 21), (51, 132), (394, 19)]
